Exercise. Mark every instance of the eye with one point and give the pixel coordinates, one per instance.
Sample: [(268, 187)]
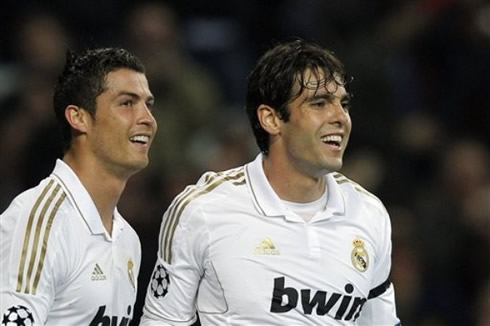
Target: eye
[(346, 105), (150, 105), (128, 103), (319, 103)]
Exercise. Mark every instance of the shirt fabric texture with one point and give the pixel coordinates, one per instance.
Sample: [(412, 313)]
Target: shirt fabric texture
[(59, 264), (230, 249)]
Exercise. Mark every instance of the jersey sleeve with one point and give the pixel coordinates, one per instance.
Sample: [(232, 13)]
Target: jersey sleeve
[(29, 257), (380, 307), (172, 291), (380, 310)]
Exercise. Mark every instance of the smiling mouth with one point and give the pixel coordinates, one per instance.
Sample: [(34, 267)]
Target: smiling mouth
[(333, 140), (140, 139)]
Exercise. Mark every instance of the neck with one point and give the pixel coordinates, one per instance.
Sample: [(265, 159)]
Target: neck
[(290, 184), (105, 188)]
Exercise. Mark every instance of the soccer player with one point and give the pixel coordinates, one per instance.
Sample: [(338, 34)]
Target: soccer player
[(67, 255), (285, 239)]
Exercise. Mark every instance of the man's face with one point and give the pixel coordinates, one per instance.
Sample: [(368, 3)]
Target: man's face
[(123, 129), (316, 135)]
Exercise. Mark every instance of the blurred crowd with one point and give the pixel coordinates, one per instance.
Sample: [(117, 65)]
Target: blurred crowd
[(421, 116)]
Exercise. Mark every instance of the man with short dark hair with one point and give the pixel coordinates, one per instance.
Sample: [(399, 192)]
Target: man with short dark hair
[(68, 256), (284, 239)]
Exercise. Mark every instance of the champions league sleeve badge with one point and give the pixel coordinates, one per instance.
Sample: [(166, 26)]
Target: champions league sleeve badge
[(159, 282), (359, 256), (17, 316)]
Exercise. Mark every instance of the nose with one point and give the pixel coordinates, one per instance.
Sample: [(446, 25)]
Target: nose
[(146, 117), (339, 115)]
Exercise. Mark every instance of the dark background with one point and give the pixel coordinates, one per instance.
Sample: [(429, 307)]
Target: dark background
[(421, 116)]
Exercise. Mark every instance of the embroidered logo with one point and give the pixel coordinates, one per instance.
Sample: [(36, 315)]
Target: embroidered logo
[(131, 273), (98, 274), (359, 256), (160, 282), (17, 315), (266, 247)]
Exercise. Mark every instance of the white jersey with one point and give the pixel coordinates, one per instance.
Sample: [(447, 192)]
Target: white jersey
[(230, 249), (59, 265)]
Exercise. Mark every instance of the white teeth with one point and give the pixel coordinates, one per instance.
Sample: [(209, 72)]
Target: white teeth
[(332, 138), (140, 139)]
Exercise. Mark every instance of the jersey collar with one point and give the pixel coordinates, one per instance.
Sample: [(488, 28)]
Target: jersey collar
[(268, 203), (82, 202)]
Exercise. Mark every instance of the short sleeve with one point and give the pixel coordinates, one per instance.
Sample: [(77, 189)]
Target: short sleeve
[(29, 255), (172, 290), (380, 308)]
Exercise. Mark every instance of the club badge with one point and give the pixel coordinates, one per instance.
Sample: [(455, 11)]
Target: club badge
[(359, 256), (131, 273)]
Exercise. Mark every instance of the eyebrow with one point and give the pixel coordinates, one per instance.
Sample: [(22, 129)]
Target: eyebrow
[(328, 96), (134, 95)]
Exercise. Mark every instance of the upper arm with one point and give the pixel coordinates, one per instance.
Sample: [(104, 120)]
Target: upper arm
[(380, 310), (172, 290), (29, 254)]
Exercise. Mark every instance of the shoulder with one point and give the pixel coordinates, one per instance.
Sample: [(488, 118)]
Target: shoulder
[(33, 224), (367, 210), (210, 181), (129, 234), (354, 192), (184, 226), (41, 203), (41, 215), (211, 187)]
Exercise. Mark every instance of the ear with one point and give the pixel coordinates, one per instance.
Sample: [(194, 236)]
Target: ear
[(269, 119), (77, 117)]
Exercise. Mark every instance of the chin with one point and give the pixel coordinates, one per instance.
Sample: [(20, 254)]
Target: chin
[(334, 167), (137, 165), (143, 165)]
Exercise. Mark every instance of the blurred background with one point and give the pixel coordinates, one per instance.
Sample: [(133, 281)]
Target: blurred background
[(421, 116)]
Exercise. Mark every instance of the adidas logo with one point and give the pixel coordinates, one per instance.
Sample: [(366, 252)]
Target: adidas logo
[(266, 247), (98, 274)]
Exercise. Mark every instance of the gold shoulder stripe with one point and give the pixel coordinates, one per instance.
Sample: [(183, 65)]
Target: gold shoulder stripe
[(209, 178), (37, 235), (239, 183), (27, 235), (45, 241), (364, 191), (187, 201), (178, 207), (42, 230), (168, 221), (337, 175), (342, 179)]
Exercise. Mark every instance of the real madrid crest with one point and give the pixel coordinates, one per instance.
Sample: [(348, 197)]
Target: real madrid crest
[(131, 274), (359, 256)]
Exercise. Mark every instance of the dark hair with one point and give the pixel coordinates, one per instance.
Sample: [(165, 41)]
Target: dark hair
[(83, 79), (273, 79)]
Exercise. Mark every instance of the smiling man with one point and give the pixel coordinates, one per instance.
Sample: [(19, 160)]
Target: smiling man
[(68, 256), (285, 239)]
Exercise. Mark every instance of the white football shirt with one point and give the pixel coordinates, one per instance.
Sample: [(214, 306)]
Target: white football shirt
[(233, 251), (59, 264)]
